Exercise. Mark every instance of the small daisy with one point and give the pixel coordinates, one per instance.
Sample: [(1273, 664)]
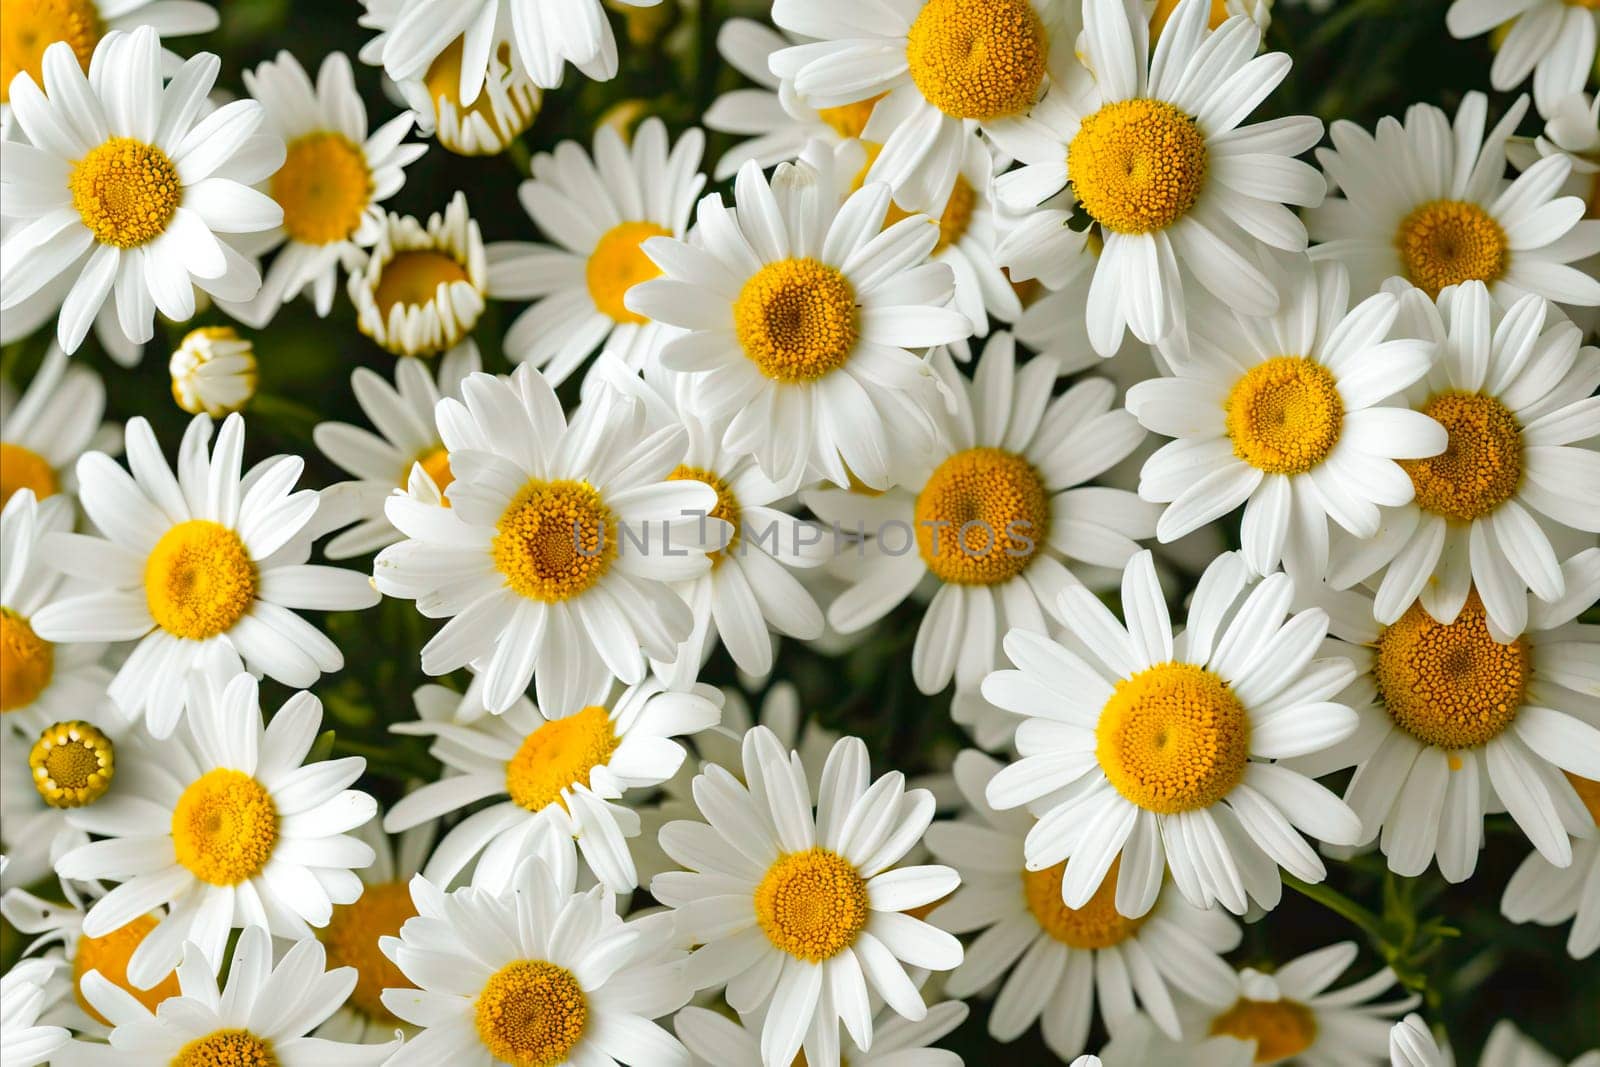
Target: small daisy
[(1549, 895), (1519, 479), (213, 371), (1052, 952), (560, 777), (717, 1041), (332, 181), (1509, 1047), (997, 515), (1428, 202), (25, 994), (56, 420), (1554, 40), (122, 187), (204, 557), (227, 829), (538, 974), (1286, 416), (599, 209), (422, 288), (1168, 742), (798, 910), (1412, 1044), (1157, 159)]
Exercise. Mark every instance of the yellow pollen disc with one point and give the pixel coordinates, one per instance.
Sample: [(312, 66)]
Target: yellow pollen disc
[(23, 468), (443, 82), (436, 463), (28, 27), (617, 264), (978, 59), (224, 827), (1280, 1028), (26, 662), (1451, 686), (981, 517), (953, 223), (109, 955), (323, 187), (1138, 165), (727, 507), (1446, 242), (554, 540), (849, 120), (1096, 925), (227, 1048), (413, 279), (126, 191), (812, 904), (558, 755), (1173, 738), (1588, 792), (1479, 469), (796, 320), (72, 764), (531, 1013), (199, 580), (1284, 415), (351, 940), (1165, 9)]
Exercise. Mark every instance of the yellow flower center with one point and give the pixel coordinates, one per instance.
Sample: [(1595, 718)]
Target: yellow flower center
[(554, 540), (531, 1013), (1588, 792), (1096, 925), (227, 1048), (1280, 1028), (351, 939), (1479, 469), (726, 509), (413, 279), (23, 468), (1284, 415), (1173, 738), (126, 191), (1138, 165), (443, 82), (978, 59), (323, 187), (849, 120), (28, 27), (559, 755), (199, 580), (1446, 242), (617, 264), (955, 220), (72, 764), (981, 517), (1165, 9), (224, 827), (26, 662), (796, 320), (1450, 685), (109, 955), (812, 904), (436, 464)]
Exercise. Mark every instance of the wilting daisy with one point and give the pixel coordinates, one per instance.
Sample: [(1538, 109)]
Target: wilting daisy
[(122, 187), (1428, 201), (1167, 741), (204, 557), (798, 910), (1047, 954), (25, 994), (537, 974), (1411, 1044), (227, 829), (1158, 160), (998, 515), (213, 371), (55, 421), (1554, 40), (1541, 892), (560, 778), (1520, 478), (1286, 415), (422, 288), (332, 181), (717, 1041), (599, 209), (800, 313)]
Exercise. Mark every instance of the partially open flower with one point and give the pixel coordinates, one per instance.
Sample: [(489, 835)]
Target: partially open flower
[(213, 371)]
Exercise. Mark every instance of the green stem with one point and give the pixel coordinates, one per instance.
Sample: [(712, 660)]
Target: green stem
[(517, 152), (1337, 903)]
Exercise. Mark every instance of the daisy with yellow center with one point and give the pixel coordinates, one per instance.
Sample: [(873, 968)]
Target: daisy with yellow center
[(786, 900), (421, 290), (598, 210), (46, 429)]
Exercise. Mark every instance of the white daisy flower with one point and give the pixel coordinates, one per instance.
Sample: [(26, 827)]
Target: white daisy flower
[(227, 829), (422, 288), (1541, 892), (1157, 159), (1048, 955), (599, 209), (717, 1041), (1428, 201), (537, 974), (123, 189), (1286, 415), (1412, 1044), (25, 994), (55, 421), (1164, 746), (213, 371), (1520, 479), (1554, 40), (997, 515), (332, 181), (797, 910), (1509, 1047), (203, 557)]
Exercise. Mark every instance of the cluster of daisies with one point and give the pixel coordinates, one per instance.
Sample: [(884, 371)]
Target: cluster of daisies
[(1000, 309)]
